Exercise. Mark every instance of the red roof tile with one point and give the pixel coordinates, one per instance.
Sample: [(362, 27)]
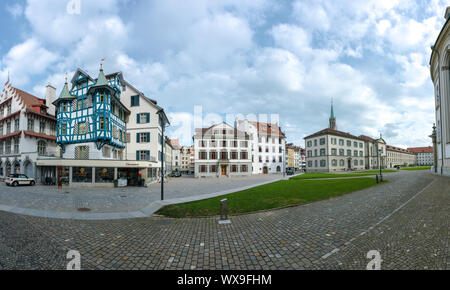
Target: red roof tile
[(428, 149), (39, 135)]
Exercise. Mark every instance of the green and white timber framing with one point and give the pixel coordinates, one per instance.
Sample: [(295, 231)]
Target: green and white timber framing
[(91, 116)]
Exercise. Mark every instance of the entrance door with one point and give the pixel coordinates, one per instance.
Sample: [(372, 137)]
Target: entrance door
[(265, 171), (224, 170), (349, 164)]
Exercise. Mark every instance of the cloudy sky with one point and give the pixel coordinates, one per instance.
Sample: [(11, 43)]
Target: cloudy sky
[(242, 57)]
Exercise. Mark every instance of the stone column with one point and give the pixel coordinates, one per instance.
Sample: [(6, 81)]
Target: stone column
[(93, 175)]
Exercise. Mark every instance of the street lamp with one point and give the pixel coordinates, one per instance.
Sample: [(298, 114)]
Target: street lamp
[(162, 121), (379, 162)]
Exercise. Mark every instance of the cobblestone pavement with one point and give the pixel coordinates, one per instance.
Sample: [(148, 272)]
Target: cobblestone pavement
[(405, 219), (107, 200)]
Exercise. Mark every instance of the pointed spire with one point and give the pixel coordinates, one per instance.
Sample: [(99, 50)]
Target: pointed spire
[(101, 80), (65, 91), (332, 118), (332, 110)]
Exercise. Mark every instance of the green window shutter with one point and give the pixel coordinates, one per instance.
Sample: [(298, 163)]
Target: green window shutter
[(148, 137), (137, 155), (148, 117), (138, 137), (138, 118)]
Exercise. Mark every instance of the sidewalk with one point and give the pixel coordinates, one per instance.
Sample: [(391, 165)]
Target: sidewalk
[(146, 211)]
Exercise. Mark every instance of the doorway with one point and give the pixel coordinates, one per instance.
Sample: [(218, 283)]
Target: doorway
[(223, 170), (265, 170)]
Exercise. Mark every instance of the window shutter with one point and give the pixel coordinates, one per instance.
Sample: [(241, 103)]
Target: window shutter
[(137, 155), (138, 137), (148, 117), (138, 118), (148, 137)]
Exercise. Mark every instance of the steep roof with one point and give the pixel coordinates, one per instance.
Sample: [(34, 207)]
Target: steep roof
[(266, 129), (428, 149), (101, 80), (202, 132), (398, 149)]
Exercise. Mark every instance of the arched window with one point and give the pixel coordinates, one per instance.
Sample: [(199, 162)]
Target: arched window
[(42, 148)]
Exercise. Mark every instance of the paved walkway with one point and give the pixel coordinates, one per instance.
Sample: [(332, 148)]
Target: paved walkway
[(119, 203), (405, 219)]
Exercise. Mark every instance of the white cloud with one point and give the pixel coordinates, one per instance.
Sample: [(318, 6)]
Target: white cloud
[(27, 59)]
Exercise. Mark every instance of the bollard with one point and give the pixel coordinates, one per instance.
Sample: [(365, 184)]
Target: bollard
[(224, 212), (223, 209), (376, 178)]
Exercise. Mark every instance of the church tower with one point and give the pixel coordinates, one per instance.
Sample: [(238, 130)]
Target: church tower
[(332, 118)]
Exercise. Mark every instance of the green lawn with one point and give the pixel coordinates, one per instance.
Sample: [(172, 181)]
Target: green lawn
[(269, 196), (336, 175), (416, 168)]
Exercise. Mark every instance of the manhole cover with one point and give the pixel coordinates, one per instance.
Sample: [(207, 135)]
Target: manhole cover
[(123, 196), (84, 209), (164, 222)]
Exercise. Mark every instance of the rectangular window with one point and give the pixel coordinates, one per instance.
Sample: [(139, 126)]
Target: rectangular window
[(341, 142), (16, 125), (202, 155), (202, 168), (244, 168), (41, 127), (30, 124), (234, 155), (244, 155), (104, 174), (233, 168), (82, 174), (135, 101), (349, 143), (322, 141)]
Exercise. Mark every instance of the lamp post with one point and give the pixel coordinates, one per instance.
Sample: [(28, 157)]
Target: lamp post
[(379, 163), (433, 138)]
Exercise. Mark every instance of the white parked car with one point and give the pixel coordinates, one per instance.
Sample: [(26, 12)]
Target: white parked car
[(19, 179)]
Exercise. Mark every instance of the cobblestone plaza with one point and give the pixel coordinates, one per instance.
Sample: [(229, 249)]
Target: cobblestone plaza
[(406, 219)]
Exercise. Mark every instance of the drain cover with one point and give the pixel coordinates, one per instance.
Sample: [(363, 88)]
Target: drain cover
[(84, 209), (164, 222), (123, 196)]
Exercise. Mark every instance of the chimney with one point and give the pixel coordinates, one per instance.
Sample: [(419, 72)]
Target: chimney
[(50, 97), (447, 12)]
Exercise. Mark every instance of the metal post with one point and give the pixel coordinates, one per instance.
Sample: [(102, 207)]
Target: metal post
[(284, 160)]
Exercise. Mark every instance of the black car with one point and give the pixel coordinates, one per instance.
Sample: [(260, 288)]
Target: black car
[(175, 174), (290, 172)]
